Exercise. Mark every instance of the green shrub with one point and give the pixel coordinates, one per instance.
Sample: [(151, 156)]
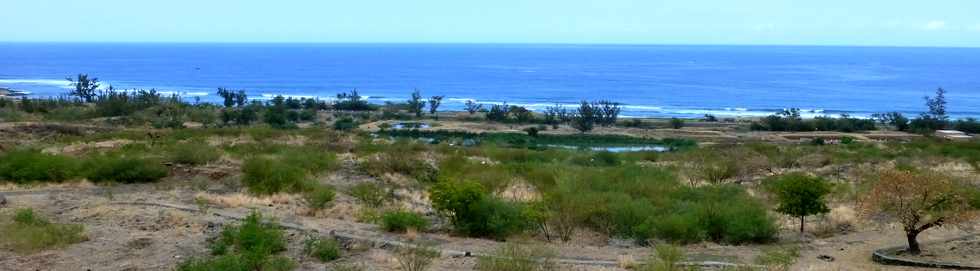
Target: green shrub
[(124, 170), (325, 250), (345, 124), (517, 257), (676, 123), (973, 196), (675, 227), (416, 257), (665, 257), (401, 221), (313, 160), (474, 213), (249, 246), (319, 197), (370, 194), (194, 153), (30, 165), (267, 176), (724, 214), (800, 195), (27, 232), (405, 163)]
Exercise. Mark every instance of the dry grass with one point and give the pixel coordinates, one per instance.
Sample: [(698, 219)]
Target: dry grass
[(245, 200), (520, 191)]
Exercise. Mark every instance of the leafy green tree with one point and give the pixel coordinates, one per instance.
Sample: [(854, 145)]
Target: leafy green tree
[(498, 112), (585, 120), (434, 103), (800, 195), (608, 112), (521, 114), (472, 107), (937, 105), (676, 123), (352, 101), (84, 87), (415, 104)]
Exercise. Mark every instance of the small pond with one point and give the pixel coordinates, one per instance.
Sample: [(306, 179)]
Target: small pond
[(654, 148), (409, 125)]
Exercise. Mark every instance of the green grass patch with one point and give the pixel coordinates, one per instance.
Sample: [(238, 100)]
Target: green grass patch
[(402, 221), (319, 197), (252, 245), (323, 249), (266, 176), (194, 153), (28, 232)]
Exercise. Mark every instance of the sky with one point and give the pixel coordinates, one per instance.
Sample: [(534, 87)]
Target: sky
[(943, 23)]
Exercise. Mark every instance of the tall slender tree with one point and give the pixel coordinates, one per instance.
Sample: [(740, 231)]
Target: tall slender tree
[(84, 87), (415, 104)]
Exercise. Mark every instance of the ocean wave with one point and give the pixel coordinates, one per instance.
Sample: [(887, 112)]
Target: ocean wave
[(185, 93), (46, 82), (270, 96)]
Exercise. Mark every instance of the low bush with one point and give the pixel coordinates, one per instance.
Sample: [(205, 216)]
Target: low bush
[(724, 214), (325, 250), (370, 194), (265, 176), (665, 257), (249, 246), (402, 221), (405, 163), (124, 170), (319, 197), (676, 123), (518, 257), (313, 160), (23, 166), (345, 124), (416, 257), (194, 153), (475, 213), (790, 120), (27, 232)]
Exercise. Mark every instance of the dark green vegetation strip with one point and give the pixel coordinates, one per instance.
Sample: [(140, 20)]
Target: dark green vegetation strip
[(542, 140)]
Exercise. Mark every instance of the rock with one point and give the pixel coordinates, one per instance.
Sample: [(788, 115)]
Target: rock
[(825, 258), (3, 201)]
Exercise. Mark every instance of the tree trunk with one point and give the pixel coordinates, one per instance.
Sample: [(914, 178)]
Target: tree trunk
[(913, 243), (801, 224)]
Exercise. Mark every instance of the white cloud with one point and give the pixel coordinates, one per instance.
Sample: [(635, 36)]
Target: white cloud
[(934, 25)]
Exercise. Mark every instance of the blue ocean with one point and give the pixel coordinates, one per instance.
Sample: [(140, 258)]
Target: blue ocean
[(686, 81)]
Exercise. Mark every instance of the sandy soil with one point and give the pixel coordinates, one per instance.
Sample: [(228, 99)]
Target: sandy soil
[(137, 237)]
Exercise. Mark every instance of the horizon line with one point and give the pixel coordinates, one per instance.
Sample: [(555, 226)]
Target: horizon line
[(489, 43)]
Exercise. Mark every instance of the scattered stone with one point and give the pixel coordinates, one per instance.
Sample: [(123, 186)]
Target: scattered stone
[(3, 201), (825, 258)]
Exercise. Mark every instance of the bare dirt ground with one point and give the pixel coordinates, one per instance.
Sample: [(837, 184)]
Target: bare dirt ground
[(126, 235)]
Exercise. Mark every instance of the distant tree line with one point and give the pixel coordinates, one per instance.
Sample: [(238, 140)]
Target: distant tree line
[(935, 118)]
